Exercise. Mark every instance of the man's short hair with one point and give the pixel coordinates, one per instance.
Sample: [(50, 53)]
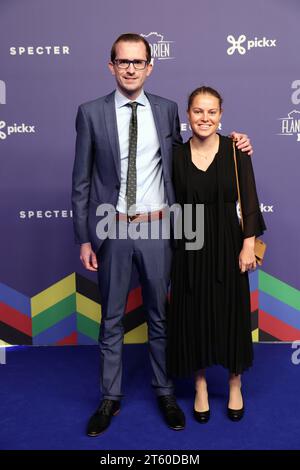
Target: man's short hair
[(131, 37)]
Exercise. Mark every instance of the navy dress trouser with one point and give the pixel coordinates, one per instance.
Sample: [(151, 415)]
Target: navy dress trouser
[(152, 258)]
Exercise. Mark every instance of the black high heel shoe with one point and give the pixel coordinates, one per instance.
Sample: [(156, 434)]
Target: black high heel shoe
[(235, 415), (201, 416)]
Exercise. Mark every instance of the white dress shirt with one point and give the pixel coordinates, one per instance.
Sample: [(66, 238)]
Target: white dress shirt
[(150, 191)]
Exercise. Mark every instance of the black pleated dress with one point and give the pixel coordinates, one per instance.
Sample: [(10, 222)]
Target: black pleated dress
[(209, 319)]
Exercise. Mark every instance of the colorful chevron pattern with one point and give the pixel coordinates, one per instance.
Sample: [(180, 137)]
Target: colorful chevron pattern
[(69, 313), (279, 310), (15, 317)]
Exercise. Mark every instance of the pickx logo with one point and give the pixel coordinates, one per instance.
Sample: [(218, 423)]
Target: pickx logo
[(2, 92), (242, 45), (263, 208), (160, 48), (15, 129), (236, 44)]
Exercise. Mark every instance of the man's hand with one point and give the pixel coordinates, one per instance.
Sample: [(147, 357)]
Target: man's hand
[(242, 142), (88, 257)]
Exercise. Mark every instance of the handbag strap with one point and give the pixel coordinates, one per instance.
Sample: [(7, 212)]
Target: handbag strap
[(237, 184)]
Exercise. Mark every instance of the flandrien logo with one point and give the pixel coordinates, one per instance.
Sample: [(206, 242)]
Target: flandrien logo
[(242, 45), (6, 131), (2, 92), (161, 49), (39, 50), (290, 124)]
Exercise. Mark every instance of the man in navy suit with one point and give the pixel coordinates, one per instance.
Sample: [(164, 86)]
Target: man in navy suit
[(124, 158)]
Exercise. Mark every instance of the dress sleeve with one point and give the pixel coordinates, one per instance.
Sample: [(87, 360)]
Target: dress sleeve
[(254, 224)]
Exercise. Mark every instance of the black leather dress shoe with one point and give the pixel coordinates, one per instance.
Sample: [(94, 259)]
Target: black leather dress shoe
[(201, 416), (235, 415), (100, 420), (173, 415)]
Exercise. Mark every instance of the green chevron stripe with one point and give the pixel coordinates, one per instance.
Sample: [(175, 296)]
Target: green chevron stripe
[(53, 315), (87, 327), (280, 290)]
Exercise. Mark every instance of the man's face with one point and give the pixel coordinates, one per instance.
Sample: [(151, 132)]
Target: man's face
[(130, 81)]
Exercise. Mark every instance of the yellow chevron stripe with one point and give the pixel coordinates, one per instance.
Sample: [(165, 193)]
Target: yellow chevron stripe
[(3, 343), (255, 335), (53, 294), (137, 335), (88, 307)]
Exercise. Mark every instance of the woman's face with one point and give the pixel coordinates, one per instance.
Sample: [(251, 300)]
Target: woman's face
[(204, 115)]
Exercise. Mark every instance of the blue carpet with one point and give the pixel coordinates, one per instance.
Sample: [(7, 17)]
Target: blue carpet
[(48, 393)]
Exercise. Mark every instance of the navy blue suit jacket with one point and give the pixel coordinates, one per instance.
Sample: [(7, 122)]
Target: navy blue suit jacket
[(96, 172)]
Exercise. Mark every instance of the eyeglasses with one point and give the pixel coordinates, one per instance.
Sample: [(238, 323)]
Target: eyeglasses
[(125, 64)]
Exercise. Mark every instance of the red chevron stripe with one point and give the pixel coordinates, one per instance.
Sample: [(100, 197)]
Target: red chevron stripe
[(134, 300), (15, 319), (254, 300), (277, 328), (71, 339)]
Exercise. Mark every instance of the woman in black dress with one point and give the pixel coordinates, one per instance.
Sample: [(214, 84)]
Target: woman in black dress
[(210, 318)]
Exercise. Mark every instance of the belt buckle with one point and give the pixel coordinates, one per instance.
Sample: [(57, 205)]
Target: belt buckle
[(130, 218)]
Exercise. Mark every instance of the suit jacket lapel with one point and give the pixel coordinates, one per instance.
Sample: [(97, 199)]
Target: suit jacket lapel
[(160, 128), (112, 130), (157, 119)]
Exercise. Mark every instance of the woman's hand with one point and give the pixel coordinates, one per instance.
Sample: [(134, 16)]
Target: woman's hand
[(247, 258)]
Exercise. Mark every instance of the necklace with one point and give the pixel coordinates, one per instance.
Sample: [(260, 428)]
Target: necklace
[(197, 154), (204, 157)]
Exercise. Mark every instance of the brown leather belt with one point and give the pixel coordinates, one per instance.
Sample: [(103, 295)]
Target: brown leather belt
[(143, 217)]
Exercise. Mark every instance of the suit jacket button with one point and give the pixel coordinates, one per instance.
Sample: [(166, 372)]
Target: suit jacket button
[(117, 186)]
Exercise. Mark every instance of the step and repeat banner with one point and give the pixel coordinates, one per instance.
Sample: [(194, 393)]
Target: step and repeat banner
[(54, 56)]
